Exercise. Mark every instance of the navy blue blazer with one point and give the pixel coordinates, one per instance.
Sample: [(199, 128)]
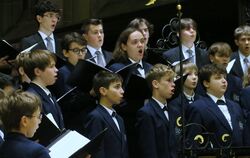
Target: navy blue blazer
[(32, 39), (176, 103), (117, 66), (207, 114), (17, 145), (107, 56), (172, 55), (244, 101), (115, 141), (155, 134), (47, 105), (233, 91), (236, 69)]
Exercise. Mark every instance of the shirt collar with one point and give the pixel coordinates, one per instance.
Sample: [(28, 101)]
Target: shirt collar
[(159, 103), (44, 36), (140, 62), (214, 98), (184, 48), (242, 57), (93, 50), (110, 111)]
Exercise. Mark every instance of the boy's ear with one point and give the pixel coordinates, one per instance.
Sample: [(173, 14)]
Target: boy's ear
[(155, 84), (37, 71), (39, 18), (124, 47), (84, 35), (24, 121), (103, 91), (236, 42), (211, 58), (65, 52), (206, 83)]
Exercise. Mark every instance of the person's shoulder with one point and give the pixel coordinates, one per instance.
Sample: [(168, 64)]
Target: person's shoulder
[(170, 52)]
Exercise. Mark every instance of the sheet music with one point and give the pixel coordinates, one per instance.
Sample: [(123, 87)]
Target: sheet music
[(68, 145), (51, 118)]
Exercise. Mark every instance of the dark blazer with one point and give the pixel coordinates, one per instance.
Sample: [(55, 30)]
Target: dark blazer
[(107, 56), (178, 105), (17, 145), (32, 39), (172, 55), (244, 102), (233, 91), (155, 134), (115, 142), (236, 69), (234, 88), (117, 66), (47, 105), (207, 114)]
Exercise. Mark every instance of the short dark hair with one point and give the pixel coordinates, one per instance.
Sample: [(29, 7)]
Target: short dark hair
[(73, 37), (137, 22), (88, 22), (16, 105), (37, 59), (220, 48), (104, 79), (187, 23), (44, 6), (208, 70)]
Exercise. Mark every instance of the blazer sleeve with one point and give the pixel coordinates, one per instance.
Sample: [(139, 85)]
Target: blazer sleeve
[(146, 143)]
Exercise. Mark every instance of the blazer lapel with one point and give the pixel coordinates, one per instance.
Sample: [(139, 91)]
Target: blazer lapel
[(218, 113), (158, 111), (109, 120)]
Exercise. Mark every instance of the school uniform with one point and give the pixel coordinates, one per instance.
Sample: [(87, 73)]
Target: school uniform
[(17, 145), (155, 132), (48, 105), (173, 55), (115, 142), (37, 38), (206, 116)]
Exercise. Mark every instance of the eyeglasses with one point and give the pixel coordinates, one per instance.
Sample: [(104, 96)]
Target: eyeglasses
[(53, 15), (38, 117), (78, 51)]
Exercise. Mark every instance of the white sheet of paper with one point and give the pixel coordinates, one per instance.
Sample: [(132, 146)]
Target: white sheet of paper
[(68, 145), (51, 118), (230, 65)]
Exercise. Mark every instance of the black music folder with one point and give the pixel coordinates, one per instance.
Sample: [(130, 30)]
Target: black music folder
[(71, 144), (154, 56), (7, 49), (85, 71), (137, 88), (46, 132)]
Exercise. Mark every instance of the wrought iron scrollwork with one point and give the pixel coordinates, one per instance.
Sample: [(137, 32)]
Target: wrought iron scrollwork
[(170, 37)]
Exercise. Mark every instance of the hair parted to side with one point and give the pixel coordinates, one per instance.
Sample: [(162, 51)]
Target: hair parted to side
[(16, 105), (157, 72), (73, 37), (104, 79), (208, 70), (220, 48), (37, 59), (241, 30), (86, 24), (138, 21)]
